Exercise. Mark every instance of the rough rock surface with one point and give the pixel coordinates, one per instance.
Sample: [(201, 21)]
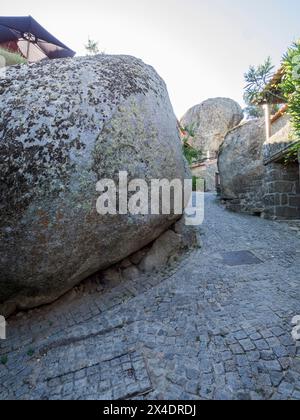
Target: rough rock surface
[(210, 121), (159, 257), (241, 167), (64, 125)]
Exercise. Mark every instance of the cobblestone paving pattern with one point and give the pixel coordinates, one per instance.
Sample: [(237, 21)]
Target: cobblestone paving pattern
[(210, 330)]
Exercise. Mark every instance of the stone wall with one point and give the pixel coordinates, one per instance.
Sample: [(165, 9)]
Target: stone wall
[(207, 171), (249, 201), (282, 137), (281, 183), (282, 191), (255, 178)]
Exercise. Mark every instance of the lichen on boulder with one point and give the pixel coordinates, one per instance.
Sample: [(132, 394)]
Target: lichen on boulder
[(65, 124)]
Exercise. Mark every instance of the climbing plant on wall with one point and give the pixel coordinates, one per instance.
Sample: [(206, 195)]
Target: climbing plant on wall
[(290, 87), (191, 154)]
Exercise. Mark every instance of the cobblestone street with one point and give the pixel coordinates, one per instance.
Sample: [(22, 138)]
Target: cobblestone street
[(219, 327)]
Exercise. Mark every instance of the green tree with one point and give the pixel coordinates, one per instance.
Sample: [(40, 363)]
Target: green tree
[(253, 111), (290, 86), (191, 154), (257, 78)]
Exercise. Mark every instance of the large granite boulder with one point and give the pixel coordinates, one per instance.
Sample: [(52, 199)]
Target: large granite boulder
[(210, 121), (241, 167), (64, 125)]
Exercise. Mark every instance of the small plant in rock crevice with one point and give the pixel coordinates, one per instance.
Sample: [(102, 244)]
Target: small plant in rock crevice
[(30, 352)]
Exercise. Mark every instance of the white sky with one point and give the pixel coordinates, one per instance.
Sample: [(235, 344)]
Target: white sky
[(200, 47)]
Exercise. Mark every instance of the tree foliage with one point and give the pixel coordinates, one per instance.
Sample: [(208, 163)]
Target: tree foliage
[(8, 58), (257, 78), (191, 154), (290, 87), (253, 111)]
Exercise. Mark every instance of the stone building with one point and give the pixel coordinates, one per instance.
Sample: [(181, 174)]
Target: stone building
[(208, 171), (282, 180), (255, 175)]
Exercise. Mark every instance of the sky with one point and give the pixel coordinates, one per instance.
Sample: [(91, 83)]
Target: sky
[(201, 48)]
